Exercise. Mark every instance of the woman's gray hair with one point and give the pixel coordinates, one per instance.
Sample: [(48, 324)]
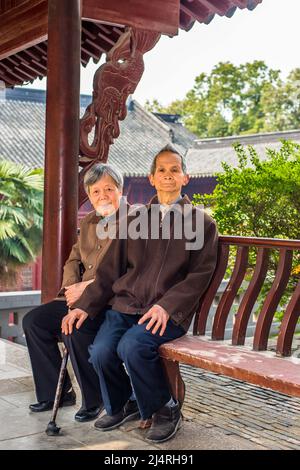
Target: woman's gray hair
[(97, 172)]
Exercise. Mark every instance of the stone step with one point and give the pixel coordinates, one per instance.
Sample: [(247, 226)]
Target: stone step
[(15, 370), (14, 354)]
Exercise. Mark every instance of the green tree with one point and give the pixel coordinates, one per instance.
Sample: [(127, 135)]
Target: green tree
[(21, 217), (236, 100), (260, 198), (281, 104)]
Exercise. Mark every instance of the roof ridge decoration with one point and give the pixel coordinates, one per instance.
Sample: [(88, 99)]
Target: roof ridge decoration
[(245, 138)]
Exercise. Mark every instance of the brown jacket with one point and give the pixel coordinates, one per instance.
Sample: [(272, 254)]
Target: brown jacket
[(159, 272), (86, 253)]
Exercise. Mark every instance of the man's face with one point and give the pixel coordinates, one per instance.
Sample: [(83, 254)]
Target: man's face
[(168, 176), (105, 196)]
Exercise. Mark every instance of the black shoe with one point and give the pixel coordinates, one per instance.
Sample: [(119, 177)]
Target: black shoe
[(130, 411), (165, 423), (69, 399), (89, 414)]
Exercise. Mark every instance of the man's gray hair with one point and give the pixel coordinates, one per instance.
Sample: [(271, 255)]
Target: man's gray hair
[(171, 149), (97, 172)]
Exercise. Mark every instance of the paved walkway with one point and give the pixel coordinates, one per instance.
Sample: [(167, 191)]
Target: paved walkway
[(220, 413)]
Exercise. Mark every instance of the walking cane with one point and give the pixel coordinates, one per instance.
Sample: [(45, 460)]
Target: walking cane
[(52, 429)]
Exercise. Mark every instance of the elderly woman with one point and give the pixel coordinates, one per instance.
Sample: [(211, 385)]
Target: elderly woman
[(42, 325)]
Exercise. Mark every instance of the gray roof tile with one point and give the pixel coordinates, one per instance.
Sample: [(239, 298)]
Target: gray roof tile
[(142, 135), (22, 124), (206, 158)]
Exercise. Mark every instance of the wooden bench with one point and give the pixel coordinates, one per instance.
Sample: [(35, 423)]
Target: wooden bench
[(253, 364)]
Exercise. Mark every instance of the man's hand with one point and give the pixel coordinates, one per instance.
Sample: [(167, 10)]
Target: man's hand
[(74, 291), (158, 318), (69, 319)]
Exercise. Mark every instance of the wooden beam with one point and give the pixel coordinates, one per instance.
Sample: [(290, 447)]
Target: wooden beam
[(154, 15), (23, 27), (27, 24)]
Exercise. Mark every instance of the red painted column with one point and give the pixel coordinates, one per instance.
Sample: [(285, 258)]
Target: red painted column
[(37, 274), (62, 140)]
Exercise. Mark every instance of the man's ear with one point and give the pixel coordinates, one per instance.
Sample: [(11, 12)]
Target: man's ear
[(186, 180), (151, 180)]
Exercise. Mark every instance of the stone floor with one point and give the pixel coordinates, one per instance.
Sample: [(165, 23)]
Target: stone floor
[(219, 413)]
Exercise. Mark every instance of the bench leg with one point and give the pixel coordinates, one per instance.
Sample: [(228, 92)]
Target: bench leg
[(177, 386)]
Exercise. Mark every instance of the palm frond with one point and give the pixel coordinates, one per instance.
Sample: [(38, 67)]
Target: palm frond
[(6, 229), (16, 213), (15, 251), (21, 214)]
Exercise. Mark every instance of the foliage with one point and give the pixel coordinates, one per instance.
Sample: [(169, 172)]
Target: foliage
[(236, 100), (281, 104), (260, 198), (21, 216)]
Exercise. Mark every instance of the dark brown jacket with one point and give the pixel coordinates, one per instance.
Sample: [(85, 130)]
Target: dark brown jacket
[(159, 272), (86, 253)]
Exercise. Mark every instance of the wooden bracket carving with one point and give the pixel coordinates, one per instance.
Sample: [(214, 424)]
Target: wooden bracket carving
[(113, 82)]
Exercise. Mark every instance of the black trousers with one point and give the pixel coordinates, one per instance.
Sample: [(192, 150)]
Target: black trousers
[(42, 328)]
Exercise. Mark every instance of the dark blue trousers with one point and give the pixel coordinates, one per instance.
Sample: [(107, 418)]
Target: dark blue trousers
[(121, 341)]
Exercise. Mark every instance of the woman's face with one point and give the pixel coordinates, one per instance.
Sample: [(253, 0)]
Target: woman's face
[(104, 196)]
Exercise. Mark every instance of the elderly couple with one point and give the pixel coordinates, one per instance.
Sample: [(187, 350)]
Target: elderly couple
[(135, 294)]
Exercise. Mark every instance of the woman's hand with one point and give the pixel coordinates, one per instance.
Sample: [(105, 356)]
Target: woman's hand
[(69, 320), (74, 291)]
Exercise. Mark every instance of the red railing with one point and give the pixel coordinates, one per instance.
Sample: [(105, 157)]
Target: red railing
[(286, 249)]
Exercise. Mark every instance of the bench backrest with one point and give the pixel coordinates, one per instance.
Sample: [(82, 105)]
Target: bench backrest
[(286, 249)]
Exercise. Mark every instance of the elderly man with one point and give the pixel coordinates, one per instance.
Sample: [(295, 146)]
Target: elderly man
[(42, 326), (154, 300)]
